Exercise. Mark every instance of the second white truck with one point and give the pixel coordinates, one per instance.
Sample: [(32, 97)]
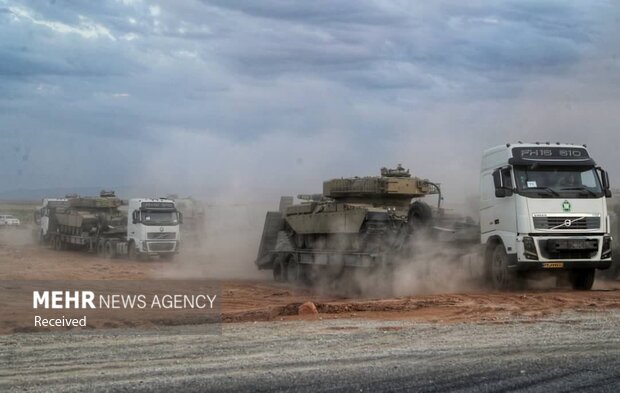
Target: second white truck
[(141, 227)]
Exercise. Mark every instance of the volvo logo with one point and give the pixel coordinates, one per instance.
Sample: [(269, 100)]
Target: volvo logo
[(567, 223), (161, 229), (566, 206)]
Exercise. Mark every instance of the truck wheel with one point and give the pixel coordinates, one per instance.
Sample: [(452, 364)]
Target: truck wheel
[(582, 279), (279, 269), (501, 276)]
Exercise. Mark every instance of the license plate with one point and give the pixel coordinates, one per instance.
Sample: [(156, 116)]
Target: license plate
[(553, 265)]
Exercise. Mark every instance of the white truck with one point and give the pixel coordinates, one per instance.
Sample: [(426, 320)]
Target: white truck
[(153, 228), (543, 207), (110, 227)]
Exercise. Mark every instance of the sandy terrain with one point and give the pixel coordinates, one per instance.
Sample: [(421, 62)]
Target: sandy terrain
[(263, 300)]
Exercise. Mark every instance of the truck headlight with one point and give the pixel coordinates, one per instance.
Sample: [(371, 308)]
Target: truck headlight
[(606, 250), (529, 248)]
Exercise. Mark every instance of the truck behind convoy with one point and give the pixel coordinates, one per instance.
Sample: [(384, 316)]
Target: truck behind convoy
[(542, 208), (104, 225)]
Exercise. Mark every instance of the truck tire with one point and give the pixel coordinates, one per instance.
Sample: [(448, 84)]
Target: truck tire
[(581, 279), (501, 276)]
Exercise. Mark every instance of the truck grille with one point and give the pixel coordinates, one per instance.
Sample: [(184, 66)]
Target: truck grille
[(161, 236), (568, 248), (560, 223), (161, 246)]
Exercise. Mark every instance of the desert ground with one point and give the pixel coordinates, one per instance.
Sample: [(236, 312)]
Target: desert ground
[(538, 339)]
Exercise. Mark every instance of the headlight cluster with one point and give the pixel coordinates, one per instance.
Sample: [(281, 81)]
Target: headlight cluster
[(606, 251), (529, 247)]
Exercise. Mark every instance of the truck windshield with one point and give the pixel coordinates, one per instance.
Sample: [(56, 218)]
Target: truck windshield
[(150, 217), (558, 182)]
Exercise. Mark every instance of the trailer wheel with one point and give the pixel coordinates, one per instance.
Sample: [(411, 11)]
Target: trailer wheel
[(581, 279), (279, 269)]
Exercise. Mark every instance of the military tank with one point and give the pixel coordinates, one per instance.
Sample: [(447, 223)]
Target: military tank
[(93, 216), (357, 221), (363, 214)]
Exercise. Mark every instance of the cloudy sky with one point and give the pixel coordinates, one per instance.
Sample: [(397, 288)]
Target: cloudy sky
[(229, 97)]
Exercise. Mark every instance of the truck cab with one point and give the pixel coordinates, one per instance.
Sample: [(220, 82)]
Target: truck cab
[(543, 207), (153, 227), (44, 217)]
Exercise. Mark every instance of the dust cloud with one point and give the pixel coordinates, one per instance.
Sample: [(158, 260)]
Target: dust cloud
[(17, 236), (227, 248)]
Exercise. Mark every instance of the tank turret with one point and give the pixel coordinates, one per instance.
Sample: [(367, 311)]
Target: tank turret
[(395, 187)]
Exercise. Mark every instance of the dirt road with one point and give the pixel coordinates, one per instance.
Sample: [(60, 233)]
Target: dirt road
[(571, 351)]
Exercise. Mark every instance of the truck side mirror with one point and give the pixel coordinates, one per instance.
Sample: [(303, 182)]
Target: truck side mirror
[(180, 218), (605, 181), (501, 190), (134, 217)]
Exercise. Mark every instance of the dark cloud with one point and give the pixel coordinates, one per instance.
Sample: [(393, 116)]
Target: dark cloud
[(119, 81)]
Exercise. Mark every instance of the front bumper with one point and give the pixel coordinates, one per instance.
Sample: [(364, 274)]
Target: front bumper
[(562, 252)]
